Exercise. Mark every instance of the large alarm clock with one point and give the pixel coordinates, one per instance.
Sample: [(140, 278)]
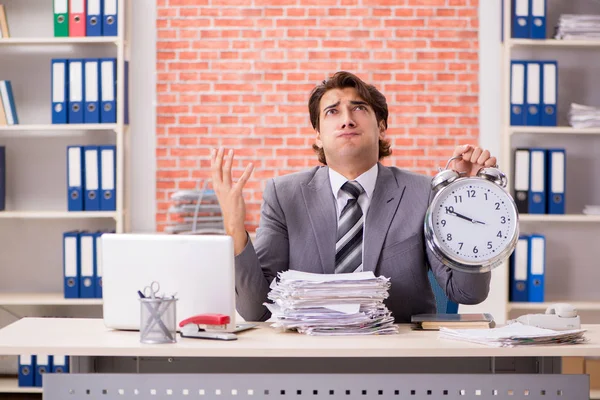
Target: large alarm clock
[(472, 223)]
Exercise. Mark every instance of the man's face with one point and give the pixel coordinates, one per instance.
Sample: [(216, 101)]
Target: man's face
[(348, 128)]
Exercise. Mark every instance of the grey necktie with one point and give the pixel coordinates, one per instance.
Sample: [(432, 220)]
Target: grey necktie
[(348, 247)]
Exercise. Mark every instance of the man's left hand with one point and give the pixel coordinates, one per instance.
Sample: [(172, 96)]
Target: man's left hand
[(473, 159)]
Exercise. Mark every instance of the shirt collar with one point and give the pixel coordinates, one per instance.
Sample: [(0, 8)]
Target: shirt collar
[(367, 180)]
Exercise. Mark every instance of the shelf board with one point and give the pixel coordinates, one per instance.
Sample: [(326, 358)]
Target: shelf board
[(555, 130), (59, 127), (580, 305), (554, 43), (58, 214), (9, 384), (43, 299), (558, 218), (59, 40)]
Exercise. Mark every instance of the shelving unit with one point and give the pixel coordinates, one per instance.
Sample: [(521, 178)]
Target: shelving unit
[(43, 299), (540, 307), (59, 214), (60, 41), (553, 43), (10, 385)]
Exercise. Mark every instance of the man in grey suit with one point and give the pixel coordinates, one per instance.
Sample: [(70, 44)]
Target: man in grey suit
[(352, 214)]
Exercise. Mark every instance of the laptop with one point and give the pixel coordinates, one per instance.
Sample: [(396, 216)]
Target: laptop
[(197, 269)]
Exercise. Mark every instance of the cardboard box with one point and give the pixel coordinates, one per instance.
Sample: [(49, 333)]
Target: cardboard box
[(573, 365), (592, 368)]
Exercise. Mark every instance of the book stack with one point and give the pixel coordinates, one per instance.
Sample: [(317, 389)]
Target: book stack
[(460, 321)]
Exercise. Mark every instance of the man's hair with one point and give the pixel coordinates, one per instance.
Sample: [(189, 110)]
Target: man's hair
[(367, 92)]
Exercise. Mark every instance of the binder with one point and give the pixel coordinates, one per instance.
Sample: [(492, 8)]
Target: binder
[(92, 86), (98, 260), (60, 364), (93, 25), (532, 110), (126, 93), (71, 251), (518, 76), (537, 267), (60, 79), (538, 19), (77, 18), (521, 177), (108, 90), (86, 261), (91, 200), (43, 366), (537, 181), (4, 33), (519, 267), (549, 93), (8, 100), (110, 18), (75, 178), (108, 201), (76, 91), (3, 121), (61, 18), (520, 19), (556, 180), (26, 370), (2, 178)]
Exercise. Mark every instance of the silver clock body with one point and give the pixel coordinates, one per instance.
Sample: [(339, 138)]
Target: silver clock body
[(472, 224)]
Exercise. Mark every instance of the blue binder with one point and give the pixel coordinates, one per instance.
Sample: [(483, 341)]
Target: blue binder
[(108, 90), (60, 364), (98, 264), (520, 19), (93, 11), (2, 178), (8, 99), (43, 366), (75, 178), (556, 163), (538, 19), (521, 179), (91, 114), (518, 79), (108, 156), (532, 110), (537, 181), (537, 268), (71, 251), (549, 93), (76, 90), (60, 86), (110, 18), (26, 370), (92, 178), (87, 253), (519, 267)]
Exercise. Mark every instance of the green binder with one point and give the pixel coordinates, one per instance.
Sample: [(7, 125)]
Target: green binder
[(61, 18)]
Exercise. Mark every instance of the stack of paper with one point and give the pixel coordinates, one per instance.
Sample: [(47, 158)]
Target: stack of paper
[(578, 27), (591, 210), (331, 304), (195, 212), (515, 334), (581, 116)]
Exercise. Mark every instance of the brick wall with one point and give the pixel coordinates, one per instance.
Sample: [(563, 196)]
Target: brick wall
[(238, 73)]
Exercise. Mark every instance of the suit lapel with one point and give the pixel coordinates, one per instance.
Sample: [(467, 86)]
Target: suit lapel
[(386, 198), (320, 206)]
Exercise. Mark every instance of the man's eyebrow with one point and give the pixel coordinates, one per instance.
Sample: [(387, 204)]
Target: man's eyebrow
[(331, 106), (359, 102)]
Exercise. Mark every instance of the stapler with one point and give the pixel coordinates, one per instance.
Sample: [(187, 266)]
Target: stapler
[(206, 326)]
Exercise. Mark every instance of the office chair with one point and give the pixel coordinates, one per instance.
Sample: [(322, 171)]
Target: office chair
[(443, 304)]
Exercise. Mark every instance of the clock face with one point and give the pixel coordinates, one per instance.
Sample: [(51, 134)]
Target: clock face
[(474, 222)]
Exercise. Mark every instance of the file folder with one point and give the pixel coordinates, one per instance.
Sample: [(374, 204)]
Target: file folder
[(4, 33), (60, 364), (3, 121), (86, 261), (61, 18), (521, 177), (518, 76), (26, 370), (532, 111), (519, 270), (110, 18), (549, 93), (108, 90), (75, 176), (8, 101), (2, 178), (93, 18), (98, 261), (60, 79), (108, 201), (77, 18), (71, 251), (43, 366), (92, 86), (538, 19), (92, 179), (76, 91), (537, 181), (537, 268), (520, 19), (556, 181)]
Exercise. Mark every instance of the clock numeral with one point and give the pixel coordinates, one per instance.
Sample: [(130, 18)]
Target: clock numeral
[(443, 222), (458, 199), (502, 220), (449, 210), (461, 245), (497, 206), (499, 234), (489, 246), (449, 237), (485, 194), (475, 251), (471, 193)]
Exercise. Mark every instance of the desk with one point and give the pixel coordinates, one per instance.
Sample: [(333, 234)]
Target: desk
[(295, 358)]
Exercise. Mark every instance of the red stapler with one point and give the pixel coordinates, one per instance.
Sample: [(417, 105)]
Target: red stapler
[(206, 326)]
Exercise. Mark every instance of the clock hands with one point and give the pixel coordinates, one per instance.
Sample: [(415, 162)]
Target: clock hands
[(474, 221)]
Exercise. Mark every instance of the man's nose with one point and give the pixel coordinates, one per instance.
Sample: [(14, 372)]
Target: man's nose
[(347, 121)]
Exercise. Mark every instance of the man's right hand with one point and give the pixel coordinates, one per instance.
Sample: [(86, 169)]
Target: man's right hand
[(230, 197)]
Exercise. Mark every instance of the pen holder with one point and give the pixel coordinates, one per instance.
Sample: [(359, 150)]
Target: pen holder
[(158, 323)]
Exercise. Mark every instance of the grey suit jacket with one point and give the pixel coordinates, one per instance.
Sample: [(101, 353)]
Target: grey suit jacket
[(297, 230)]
